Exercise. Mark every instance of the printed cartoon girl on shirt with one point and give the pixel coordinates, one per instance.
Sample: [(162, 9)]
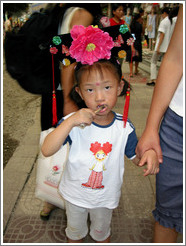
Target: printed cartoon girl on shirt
[(96, 176)]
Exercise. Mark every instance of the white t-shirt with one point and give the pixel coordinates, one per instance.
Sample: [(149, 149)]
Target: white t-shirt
[(176, 103), (97, 150), (165, 27)]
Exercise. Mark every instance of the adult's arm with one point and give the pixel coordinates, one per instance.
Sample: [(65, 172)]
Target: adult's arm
[(169, 76), (80, 17)]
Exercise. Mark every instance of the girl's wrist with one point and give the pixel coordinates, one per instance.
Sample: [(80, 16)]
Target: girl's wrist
[(70, 122)]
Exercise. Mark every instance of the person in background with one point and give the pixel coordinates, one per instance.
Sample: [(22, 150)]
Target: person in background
[(128, 17), (162, 43), (72, 14), (136, 54), (145, 16), (167, 104), (151, 27), (141, 12), (118, 14), (8, 24)]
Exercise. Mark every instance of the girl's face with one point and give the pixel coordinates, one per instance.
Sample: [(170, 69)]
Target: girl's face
[(118, 13), (100, 89)]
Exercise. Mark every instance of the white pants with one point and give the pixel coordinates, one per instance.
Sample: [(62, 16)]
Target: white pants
[(77, 222), (153, 66)]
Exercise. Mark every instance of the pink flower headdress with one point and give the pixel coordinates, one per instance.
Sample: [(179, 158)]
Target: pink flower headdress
[(90, 44)]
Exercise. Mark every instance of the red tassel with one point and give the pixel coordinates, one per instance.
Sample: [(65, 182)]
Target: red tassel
[(54, 103), (127, 100), (126, 107), (54, 109)]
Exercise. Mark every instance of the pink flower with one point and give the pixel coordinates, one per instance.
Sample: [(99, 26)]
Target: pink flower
[(90, 44)]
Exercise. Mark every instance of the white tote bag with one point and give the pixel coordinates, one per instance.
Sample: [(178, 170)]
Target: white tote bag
[(49, 172)]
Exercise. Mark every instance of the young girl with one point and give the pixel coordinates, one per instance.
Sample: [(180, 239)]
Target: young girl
[(92, 180)]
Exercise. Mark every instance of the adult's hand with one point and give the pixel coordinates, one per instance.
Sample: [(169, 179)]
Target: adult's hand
[(149, 140)]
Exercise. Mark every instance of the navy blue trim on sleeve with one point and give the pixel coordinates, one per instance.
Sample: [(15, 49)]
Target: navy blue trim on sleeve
[(59, 122), (131, 145)]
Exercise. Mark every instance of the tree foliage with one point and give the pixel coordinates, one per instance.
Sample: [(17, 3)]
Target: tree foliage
[(15, 8)]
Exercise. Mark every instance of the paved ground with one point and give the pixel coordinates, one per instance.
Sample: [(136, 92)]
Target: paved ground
[(132, 221)]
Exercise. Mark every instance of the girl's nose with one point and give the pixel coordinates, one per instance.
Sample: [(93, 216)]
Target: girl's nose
[(99, 96)]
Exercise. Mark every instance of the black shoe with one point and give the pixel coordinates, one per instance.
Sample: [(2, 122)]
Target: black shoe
[(151, 83), (45, 216)]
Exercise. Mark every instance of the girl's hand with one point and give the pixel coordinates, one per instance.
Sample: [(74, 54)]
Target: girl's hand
[(150, 158), (83, 116)]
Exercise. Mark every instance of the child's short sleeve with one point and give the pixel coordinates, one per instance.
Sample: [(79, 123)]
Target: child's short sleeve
[(131, 145), (68, 139)]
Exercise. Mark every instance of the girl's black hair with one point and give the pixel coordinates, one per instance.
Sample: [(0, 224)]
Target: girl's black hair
[(79, 68)]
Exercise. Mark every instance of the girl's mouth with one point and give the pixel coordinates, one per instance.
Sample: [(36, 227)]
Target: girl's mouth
[(101, 109)]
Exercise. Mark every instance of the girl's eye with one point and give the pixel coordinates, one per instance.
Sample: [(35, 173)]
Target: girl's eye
[(89, 90), (107, 87)]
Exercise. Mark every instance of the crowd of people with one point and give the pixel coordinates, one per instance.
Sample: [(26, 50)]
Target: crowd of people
[(155, 26), (98, 84)]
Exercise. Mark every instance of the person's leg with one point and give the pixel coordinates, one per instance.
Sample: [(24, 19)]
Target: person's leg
[(75, 241), (100, 224), (153, 43), (168, 212), (77, 227), (136, 67), (150, 43), (164, 235), (153, 68), (147, 41), (104, 241), (131, 68)]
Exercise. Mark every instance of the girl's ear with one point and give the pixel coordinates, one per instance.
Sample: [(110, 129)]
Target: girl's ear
[(77, 89), (120, 87)]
